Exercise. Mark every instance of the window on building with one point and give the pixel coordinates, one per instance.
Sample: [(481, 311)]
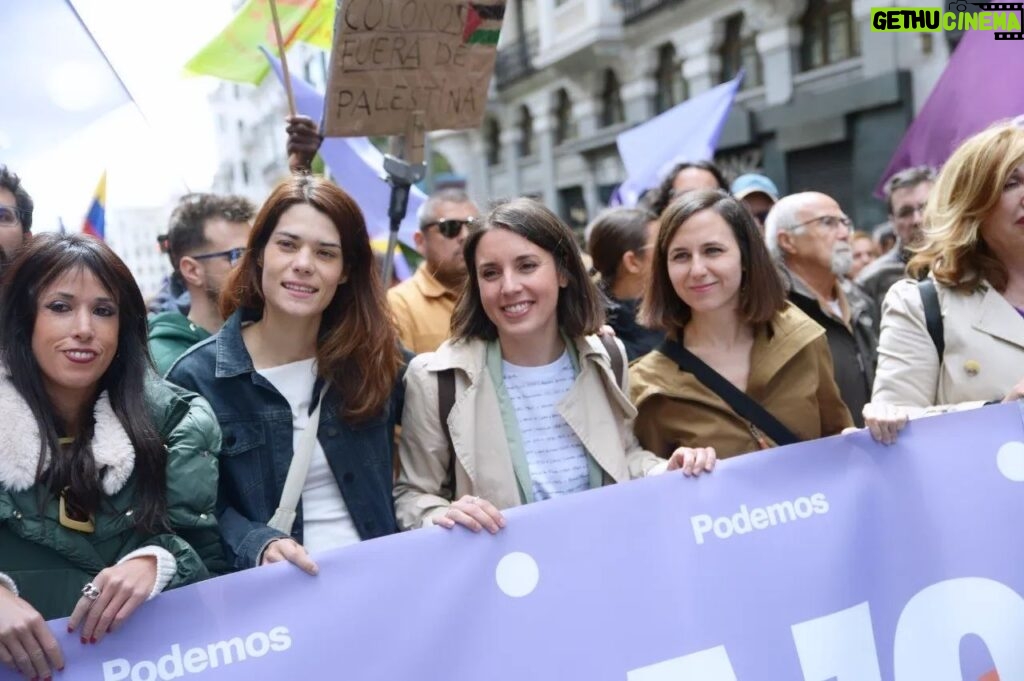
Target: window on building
[(669, 77), (492, 140), (829, 33), (565, 124), (739, 51), (525, 131), (612, 110)]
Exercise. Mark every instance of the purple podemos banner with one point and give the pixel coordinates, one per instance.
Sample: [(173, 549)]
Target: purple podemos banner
[(837, 559)]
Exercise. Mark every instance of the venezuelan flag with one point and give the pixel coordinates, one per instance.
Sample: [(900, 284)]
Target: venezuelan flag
[(96, 218)]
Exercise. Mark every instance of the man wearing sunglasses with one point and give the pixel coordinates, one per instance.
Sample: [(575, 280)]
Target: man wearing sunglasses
[(207, 237), (15, 213), (424, 303), (809, 236)]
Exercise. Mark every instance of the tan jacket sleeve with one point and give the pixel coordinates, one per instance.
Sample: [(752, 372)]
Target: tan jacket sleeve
[(423, 456), (403, 318), (835, 415)]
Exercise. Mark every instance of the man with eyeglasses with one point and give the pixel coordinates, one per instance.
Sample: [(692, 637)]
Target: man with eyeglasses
[(809, 236), (15, 213), (207, 237), (906, 193), (423, 304)]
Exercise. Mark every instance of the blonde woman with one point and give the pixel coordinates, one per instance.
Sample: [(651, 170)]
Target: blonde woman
[(973, 245)]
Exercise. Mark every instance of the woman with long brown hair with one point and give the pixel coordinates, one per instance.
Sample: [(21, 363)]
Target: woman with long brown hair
[(308, 348)]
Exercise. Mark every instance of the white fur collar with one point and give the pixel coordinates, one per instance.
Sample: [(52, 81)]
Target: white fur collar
[(19, 443)]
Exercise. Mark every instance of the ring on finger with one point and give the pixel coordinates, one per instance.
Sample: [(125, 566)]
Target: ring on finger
[(91, 591)]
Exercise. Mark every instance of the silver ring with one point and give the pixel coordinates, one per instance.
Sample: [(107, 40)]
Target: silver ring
[(91, 591)]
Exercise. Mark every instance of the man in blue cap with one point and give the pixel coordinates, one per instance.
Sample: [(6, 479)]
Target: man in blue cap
[(758, 193)]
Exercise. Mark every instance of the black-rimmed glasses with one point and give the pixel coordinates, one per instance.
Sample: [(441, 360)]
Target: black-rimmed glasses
[(233, 255), (451, 227)]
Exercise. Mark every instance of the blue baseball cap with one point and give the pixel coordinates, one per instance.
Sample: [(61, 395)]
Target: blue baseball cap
[(752, 183)]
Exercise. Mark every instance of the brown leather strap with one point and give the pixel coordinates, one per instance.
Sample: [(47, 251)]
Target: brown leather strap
[(618, 365)]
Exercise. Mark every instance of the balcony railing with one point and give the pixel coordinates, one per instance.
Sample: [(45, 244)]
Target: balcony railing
[(636, 9), (515, 61)]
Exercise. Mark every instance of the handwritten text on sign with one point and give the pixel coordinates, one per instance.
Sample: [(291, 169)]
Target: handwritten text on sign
[(393, 57), (837, 559)]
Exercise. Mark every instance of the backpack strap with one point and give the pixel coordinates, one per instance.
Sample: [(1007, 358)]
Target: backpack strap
[(445, 402), (738, 401), (933, 314), (615, 355)]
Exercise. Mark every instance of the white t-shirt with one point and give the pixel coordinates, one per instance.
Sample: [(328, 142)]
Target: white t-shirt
[(326, 523), (554, 454)]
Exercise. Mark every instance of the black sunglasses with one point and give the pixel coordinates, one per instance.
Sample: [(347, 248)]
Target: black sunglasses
[(233, 255), (452, 227)]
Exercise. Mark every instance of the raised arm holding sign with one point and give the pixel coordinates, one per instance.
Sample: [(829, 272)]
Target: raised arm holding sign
[(403, 67)]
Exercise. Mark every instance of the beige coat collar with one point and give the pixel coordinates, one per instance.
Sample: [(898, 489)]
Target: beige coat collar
[(997, 317)]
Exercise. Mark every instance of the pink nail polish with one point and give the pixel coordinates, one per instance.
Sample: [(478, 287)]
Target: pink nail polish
[(92, 640), (70, 629), (85, 640)]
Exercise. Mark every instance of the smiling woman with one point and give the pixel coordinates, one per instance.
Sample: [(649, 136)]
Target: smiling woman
[(108, 475), (741, 369), (307, 322), (536, 403)]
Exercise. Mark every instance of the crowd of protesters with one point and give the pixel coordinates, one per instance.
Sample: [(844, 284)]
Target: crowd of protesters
[(716, 320)]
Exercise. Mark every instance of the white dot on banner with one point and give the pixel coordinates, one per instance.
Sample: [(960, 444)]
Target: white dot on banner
[(517, 574), (1010, 461)]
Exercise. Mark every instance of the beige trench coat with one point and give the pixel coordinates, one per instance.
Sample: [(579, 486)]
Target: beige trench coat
[(984, 355), (596, 409)]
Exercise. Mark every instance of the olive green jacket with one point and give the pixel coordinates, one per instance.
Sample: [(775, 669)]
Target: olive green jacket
[(50, 563)]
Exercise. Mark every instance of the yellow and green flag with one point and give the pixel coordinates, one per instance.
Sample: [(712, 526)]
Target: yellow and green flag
[(234, 54)]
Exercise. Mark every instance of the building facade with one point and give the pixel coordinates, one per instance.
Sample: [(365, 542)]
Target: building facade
[(132, 234), (823, 105), (250, 126)]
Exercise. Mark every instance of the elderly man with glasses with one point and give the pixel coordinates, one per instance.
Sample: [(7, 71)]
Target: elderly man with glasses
[(207, 237), (809, 236), (423, 304), (15, 213)]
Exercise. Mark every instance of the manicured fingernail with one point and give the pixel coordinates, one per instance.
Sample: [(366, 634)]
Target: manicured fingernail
[(85, 640), (92, 640), (70, 628)]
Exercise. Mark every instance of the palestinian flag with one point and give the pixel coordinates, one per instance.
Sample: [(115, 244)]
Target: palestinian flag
[(483, 23)]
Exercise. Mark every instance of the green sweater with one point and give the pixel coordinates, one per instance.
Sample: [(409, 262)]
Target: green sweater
[(170, 335)]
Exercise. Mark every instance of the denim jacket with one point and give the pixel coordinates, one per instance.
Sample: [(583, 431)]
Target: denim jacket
[(256, 421)]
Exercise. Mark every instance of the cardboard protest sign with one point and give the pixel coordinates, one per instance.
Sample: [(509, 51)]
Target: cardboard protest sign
[(394, 57)]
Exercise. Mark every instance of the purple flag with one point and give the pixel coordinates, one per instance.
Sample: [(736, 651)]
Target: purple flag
[(972, 93), (687, 132), (839, 558)]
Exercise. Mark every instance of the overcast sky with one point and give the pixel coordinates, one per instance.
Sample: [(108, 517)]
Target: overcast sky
[(148, 42)]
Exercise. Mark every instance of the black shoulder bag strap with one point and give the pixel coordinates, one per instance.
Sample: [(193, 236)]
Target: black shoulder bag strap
[(445, 402), (737, 400), (618, 365), (933, 314)]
